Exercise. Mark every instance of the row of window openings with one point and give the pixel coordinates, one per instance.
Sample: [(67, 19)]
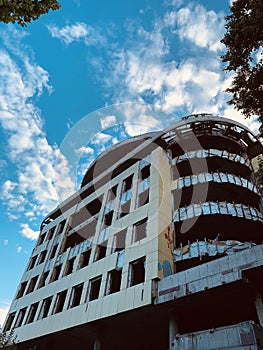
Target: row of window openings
[(218, 177), (226, 208), (113, 285), (119, 243), (50, 234), (143, 198), (139, 233), (126, 195), (206, 153)]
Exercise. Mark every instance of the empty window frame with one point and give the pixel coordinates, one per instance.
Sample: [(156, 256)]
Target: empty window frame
[(143, 198), (53, 251), (145, 172), (32, 262), (94, 288), (55, 273), (42, 257), (113, 284), (50, 234), (119, 241), (108, 218), (75, 295), (78, 236), (61, 227), (125, 199), (136, 272), (127, 184), (9, 322), (32, 313), (45, 308), (140, 230), (32, 284), (20, 318), (124, 209), (60, 301), (41, 238), (84, 258), (92, 209), (112, 193), (43, 279), (21, 290), (69, 267), (101, 250)]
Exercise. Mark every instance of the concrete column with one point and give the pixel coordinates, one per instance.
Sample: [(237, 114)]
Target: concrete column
[(173, 328), (259, 308)]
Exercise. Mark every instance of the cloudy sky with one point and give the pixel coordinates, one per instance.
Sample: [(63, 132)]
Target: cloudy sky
[(83, 78)]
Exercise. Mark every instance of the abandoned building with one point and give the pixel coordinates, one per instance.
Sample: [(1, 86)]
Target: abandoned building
[(161, 248)]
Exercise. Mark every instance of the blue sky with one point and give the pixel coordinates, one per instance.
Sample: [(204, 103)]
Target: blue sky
[(77, 81)]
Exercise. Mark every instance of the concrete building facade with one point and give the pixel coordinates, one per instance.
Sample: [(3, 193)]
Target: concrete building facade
[(161, 248)]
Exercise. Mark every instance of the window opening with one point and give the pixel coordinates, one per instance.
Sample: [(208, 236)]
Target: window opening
[(55, 273), (32, 262), (42, 257), (32, 313), (20, 318), (41, 239), (94, 288), (75, 296), (145, 172), (127, 184), (124, 209), (108, 218), (112, 193), (51, 233), (60, 301), (53, 251), (119, 240), (69, 267), (136, 272), (84, 258), (92, 209), (9, 322), (101, 250), (143, 198), (140, 230), (113, 282), (61, 227), (32, 285), (45, 308), (43, 279), (21, 290)]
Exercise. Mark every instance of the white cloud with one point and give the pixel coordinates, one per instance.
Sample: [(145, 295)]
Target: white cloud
[(5, 242), (42, 171), (3, 312), (19, 249), (77, 32), (107, 121), (27, 232), (85, 150), (203, 28), (139, 118), (251, 123), (100, 139), (147, 71)]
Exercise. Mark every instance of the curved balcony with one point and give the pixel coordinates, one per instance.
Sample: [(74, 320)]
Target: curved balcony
[(211, 160), (209, 219)]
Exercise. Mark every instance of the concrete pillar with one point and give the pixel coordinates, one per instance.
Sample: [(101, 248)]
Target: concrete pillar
[(173, 328), (259, 308)]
